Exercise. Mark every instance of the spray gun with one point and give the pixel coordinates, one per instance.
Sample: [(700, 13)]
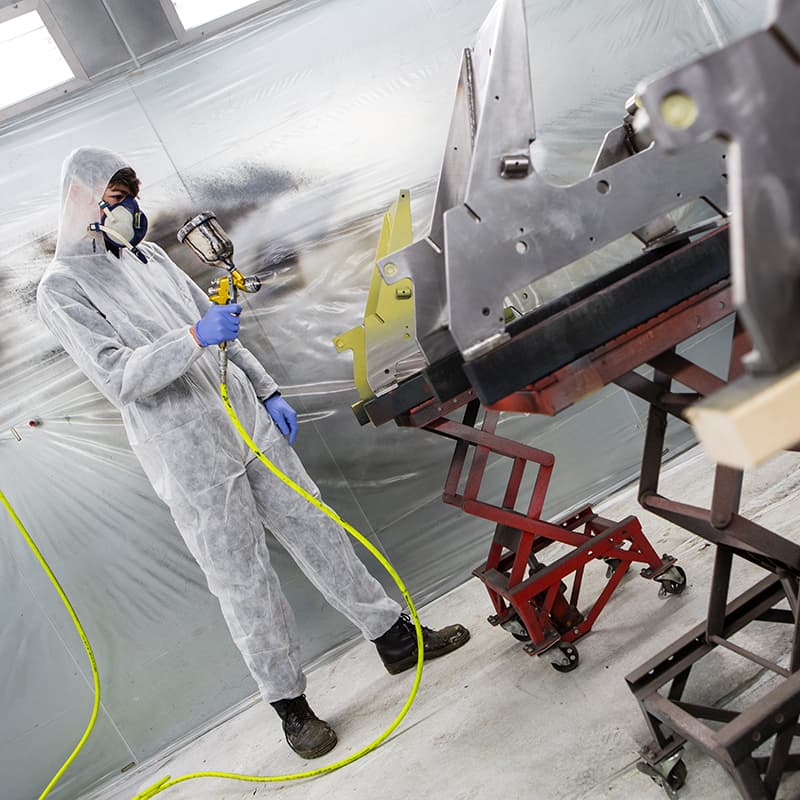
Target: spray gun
[(206, 237)]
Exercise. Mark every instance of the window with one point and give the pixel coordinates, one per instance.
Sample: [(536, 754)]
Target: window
[(28, 51), (196, 12)]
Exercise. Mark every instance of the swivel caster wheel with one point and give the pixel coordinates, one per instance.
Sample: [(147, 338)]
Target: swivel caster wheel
[(611, 566), (563, 657), (515, 627), (673, 581), (669, 774)]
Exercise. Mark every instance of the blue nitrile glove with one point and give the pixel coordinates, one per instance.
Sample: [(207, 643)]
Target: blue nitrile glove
[(283, 415), (220, 324)]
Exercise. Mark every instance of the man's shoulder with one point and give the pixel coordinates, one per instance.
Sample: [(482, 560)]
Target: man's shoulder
[(151, 248), (57, 285), (157, 253), (58, 276)]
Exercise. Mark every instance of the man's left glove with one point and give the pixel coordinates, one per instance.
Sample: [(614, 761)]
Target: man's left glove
[(283, 415)]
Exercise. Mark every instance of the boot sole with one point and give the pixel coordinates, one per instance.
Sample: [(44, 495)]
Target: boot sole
[(396, 667), (324, 748)]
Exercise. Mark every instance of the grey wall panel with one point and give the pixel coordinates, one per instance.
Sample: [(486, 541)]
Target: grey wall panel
[(298, 129)]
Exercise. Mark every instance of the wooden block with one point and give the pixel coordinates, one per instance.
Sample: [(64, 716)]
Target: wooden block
[(750, 420)]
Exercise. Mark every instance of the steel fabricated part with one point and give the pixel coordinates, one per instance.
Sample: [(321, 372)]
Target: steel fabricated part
[(746, 94), (384, 347), (498, 225), (558, 333)]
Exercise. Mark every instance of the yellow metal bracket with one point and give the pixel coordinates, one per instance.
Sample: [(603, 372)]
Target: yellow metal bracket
[(387, 333)]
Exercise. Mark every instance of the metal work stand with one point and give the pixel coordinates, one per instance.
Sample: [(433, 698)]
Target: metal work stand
[(530, 597), (554, 358), (753, 743)]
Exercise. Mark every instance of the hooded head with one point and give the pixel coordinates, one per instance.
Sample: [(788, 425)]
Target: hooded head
[(84, 177)]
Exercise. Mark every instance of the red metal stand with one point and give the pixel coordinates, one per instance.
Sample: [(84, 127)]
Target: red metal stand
[(530, 597)]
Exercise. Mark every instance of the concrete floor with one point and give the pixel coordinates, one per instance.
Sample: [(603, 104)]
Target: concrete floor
[(489, 721)]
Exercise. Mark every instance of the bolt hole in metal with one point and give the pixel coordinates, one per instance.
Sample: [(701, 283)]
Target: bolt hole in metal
[(486, 311), (521, 247), (603, 187)]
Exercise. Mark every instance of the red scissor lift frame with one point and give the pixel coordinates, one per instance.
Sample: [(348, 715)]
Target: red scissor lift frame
[(529, 597)]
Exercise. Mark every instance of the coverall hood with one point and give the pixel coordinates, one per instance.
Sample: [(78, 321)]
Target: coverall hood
[(84, 177)]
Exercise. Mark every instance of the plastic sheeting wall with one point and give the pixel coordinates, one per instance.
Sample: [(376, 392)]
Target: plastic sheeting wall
[(298, 130)]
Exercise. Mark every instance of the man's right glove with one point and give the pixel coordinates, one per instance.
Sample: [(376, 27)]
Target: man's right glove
[(219, 324)]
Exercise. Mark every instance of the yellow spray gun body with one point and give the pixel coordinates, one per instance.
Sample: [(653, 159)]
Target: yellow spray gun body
[(207, 238), (225, 289)]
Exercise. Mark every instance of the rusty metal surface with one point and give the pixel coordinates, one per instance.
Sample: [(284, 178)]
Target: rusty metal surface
[(568, 385)]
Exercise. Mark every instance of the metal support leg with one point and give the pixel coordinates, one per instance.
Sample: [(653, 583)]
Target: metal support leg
[(660, 684)]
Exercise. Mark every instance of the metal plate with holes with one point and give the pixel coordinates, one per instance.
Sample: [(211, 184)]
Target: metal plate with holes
[(503, 224)]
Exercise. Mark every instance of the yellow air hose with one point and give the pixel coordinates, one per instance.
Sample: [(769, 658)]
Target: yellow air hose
[(84, 639), (168, 781)]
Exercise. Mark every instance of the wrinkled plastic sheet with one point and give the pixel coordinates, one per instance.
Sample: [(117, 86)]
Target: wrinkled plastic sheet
[(298, 129)]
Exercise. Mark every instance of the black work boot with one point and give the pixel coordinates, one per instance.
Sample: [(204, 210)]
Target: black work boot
[(308, 736), (398, 646)]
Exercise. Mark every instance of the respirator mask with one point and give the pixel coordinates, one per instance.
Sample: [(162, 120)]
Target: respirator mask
[(123, 224)]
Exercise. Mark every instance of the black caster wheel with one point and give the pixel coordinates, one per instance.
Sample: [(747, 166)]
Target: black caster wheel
[(516, 628), (565, 658), (669, 775), (677, 776), (611, 566), (673, 581)]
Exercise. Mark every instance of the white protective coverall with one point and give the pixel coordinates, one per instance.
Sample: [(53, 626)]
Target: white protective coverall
[(126, 325)]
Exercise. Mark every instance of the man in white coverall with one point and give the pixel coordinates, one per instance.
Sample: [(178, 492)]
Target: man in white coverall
[(142, 332)]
